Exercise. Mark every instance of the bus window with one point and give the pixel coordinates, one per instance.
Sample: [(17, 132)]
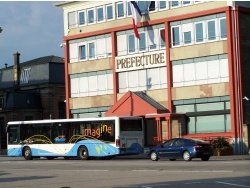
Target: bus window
[(99, 130), (60, 133), (13, 134), (130, 125)]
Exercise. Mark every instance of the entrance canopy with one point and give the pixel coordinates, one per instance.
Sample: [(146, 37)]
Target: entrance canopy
[(136, 104)]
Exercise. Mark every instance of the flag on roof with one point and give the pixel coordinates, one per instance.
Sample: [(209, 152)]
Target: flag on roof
[(136, 13)]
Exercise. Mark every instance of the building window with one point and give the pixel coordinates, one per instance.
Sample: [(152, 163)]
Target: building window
[(187, 37), (174, 4), (199, 71), (1, 103), (162, 5), (71, 19), (162, 38), (190, 32), (25, 76), (176, 36), (223, 31), (131, 43), (211, 32), (152, 6), (144, 79), (109, 12), (99, 83), (142, 42), (186, 3), (83, 52), (199, 35), (82, 18), (91, 50), (100, 14), (129, 11), (200, 122), (91, 16), (120, 10)]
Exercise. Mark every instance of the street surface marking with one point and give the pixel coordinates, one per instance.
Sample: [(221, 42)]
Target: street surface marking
[(232, 184), (150, 186), (192, 183)]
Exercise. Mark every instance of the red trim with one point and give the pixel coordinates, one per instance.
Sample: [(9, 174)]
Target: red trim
[(231, 61), (147, 23), (169, 66), (114, 54), (239, 69), (66, 72)]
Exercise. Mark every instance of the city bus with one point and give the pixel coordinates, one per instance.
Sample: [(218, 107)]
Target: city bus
[(83, 138)]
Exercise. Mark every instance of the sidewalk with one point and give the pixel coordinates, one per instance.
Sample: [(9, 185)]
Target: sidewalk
[(214, 158)]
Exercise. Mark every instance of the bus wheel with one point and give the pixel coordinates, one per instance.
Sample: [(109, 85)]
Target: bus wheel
[(83, 153), (27, 153)]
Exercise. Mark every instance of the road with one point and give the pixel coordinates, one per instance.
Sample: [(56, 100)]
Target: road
[(124, 173)]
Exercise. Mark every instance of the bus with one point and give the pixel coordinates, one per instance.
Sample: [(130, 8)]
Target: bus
[(84, 138)]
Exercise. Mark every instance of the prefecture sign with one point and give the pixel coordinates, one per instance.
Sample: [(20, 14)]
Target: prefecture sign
[(140, 61)]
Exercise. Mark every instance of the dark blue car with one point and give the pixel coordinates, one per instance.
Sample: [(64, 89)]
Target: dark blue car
[(185, 148)]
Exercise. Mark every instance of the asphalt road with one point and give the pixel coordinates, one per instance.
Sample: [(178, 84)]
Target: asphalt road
[(125, 172)]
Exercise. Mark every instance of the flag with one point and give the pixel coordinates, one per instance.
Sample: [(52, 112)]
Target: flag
[(136, 13)]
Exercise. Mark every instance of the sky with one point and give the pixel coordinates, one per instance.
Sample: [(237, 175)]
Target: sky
[(33, 28)]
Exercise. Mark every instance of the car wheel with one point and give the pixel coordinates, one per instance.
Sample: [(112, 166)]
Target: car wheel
[(83, 153), (154, 156), (186, 156), (205, 158), (172, 159), (27, 153)]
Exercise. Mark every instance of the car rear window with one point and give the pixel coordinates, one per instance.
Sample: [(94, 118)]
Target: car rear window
[(197, 141)]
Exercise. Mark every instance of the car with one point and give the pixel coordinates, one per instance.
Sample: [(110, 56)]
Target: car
[(186, 148)]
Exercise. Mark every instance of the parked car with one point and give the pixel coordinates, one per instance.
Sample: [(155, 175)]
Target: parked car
[(186, 148)]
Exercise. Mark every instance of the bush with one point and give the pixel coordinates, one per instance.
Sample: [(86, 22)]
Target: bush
[(221, 144)]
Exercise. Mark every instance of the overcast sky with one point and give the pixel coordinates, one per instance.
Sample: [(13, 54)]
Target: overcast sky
[(33, 28)]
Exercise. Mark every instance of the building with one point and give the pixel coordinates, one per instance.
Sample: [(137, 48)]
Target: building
[(31, 90), (187, 75)]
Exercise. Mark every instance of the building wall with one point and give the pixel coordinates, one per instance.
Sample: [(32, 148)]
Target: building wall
[(197, 74)]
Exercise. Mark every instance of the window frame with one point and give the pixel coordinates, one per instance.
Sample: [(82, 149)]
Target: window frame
[(159, 6), (184, 41), (127, 8), (171, 5), (88, 51), (215, 30), (172, 38), (160, 39), (97, 14), (94, 16), (79, 48), (190, 3), (128, 39), (85, 21), (203, 32), (74, 13), (219, 27), (139, 41), (117, 10), (106, 12)]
